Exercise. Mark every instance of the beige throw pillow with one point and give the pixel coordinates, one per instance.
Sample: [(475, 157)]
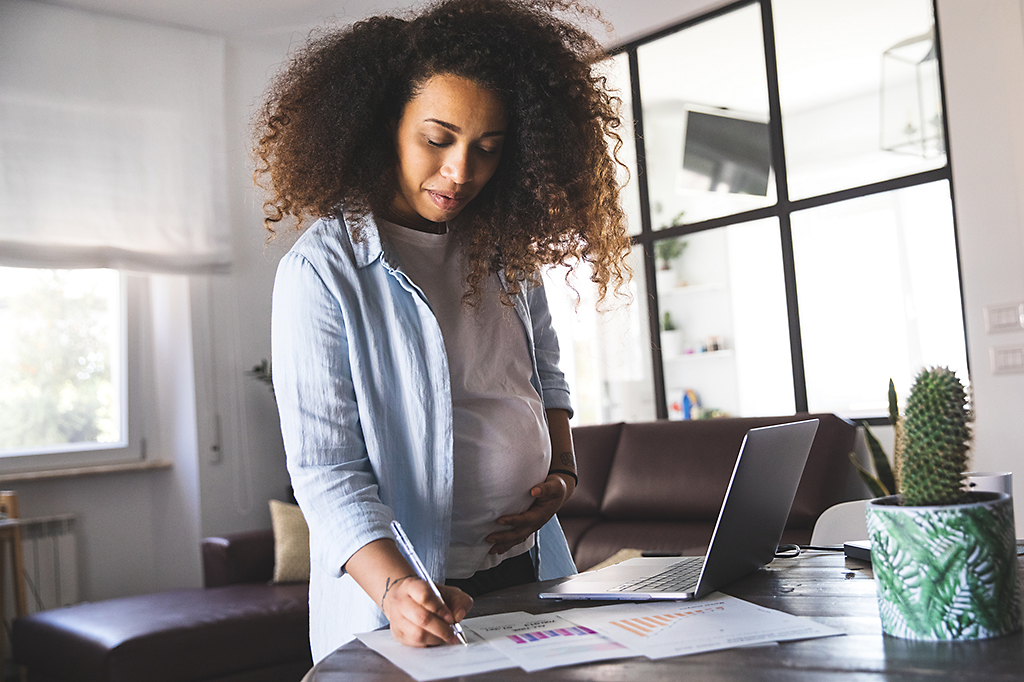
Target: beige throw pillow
[(291, 543)]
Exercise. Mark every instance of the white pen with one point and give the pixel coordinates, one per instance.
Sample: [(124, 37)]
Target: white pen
[(410, 553)]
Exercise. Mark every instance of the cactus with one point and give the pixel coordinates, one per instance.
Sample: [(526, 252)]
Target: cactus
[(935, 440)]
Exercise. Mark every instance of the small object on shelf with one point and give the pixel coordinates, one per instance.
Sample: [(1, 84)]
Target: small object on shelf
[(671, 337), (675, 410), (712, 413), (691, 404), (671, 343), (667, 280)]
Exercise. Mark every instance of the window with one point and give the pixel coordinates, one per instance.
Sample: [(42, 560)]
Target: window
[(797, 229), (705, 117), (66, 372), (124, 173), (888, 306)]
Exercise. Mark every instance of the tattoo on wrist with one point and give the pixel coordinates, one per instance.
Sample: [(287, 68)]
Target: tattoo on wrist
[(391, 583), (567, 459)]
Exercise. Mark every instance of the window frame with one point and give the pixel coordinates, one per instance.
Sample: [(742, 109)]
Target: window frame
[(136, 365), (783, 208)]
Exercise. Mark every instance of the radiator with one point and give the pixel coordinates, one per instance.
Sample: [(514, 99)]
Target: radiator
[(50, 555)]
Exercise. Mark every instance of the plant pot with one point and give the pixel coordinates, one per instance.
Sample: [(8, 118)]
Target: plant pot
[(946, 572), (666, 280), (671, 343)]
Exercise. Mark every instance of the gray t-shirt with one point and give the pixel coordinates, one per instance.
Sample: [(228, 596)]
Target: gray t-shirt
[(501, 444)]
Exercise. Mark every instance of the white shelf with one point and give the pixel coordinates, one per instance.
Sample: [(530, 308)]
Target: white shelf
[(694, 288), (690, 357)]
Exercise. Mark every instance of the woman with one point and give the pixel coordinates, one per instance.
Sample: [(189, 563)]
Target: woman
[(449, 156)]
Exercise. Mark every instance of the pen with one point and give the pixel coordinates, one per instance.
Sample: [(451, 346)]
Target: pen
[(421, 570)]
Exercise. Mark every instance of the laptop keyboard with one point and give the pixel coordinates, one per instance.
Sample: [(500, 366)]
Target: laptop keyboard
[(679, 577)]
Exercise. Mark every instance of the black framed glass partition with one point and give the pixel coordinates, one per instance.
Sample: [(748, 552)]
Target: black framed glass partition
[(792, 213)]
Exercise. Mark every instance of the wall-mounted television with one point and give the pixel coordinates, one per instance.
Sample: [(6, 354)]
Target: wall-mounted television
[(724, 151)]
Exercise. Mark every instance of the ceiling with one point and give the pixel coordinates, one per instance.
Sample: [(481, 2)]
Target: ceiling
[(281, 19), (845, 61)]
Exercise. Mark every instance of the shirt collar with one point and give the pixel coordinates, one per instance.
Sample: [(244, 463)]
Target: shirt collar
[(371, 246)]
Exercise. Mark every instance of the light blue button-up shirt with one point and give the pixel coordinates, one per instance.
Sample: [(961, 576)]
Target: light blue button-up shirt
[(362, 386)]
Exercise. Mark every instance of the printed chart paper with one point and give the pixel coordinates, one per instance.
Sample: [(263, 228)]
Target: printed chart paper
[(597, 633), (545, 641), (663, 629), (438, 662)]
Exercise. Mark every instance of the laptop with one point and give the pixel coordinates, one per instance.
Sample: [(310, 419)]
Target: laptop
[(746, 536)]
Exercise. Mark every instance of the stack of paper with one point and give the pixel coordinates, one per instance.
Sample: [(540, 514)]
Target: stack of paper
[(663, 629), (584, 635)]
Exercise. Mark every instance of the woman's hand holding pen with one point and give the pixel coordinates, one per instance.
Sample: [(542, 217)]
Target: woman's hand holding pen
[(417, 617)]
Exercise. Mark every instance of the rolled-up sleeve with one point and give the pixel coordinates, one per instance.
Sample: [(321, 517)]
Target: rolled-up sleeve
[(327, 458), (554, 387)]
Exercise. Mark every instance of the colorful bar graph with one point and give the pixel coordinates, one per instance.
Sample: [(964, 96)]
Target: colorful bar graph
[(527, 637), (646, 625)]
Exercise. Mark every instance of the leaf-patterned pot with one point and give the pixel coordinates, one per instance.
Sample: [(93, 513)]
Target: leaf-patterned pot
[(946, 572)]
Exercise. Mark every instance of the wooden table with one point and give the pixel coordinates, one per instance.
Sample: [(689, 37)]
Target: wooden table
[(825, 586)]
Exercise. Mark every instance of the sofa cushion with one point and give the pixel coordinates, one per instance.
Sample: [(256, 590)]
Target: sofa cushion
[(667, 472), (291, 543), (574, 528), (827, 477), (243, 557), (662, 472), (174, 636), (603, 540), (594, 446)]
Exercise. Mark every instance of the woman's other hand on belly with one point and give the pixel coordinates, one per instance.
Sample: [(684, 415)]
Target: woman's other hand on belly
[(548, 498)]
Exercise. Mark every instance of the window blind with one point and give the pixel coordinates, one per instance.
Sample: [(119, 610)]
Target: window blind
[(112, 150)]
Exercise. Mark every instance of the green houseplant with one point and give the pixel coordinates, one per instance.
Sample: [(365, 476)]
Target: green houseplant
[(944, 560), (883, 481), (667, 250)]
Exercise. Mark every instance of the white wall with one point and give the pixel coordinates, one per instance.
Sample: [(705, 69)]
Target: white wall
[(231, 319), (983, 53)]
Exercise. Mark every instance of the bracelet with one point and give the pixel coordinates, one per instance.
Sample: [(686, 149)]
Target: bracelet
[(575, 478)]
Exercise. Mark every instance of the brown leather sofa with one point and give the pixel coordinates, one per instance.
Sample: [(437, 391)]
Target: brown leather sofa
[(239, 628), (658, 486), (654, 486)]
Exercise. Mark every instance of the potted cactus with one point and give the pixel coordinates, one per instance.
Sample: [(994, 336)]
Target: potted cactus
[(944, 560)]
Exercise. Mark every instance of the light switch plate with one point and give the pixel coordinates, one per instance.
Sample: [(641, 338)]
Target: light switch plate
[(1007, 359), (1006, 317)]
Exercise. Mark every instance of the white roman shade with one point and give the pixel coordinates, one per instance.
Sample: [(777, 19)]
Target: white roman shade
[(111, 143)]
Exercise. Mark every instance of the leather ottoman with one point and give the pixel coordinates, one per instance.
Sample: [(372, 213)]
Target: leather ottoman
[(247, 632)]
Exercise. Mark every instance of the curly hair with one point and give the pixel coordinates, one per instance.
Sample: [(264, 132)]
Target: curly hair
[(325, 133)]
